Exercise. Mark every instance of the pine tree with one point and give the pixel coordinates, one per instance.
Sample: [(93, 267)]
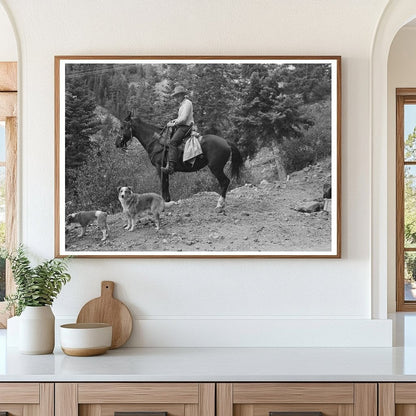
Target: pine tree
[(118, 93), (214, 97), (80, 123), (268, 114), (313, 82)]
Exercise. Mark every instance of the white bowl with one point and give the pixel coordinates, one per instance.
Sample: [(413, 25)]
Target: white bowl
[(83, 340)]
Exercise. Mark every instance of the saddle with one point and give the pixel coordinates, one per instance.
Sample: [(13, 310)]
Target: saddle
[(164, 136), (190, 147)]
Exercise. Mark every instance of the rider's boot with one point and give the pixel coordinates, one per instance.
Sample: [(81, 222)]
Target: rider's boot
[(173, 157)]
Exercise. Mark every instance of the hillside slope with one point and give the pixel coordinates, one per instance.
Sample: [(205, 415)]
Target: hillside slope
[(259, 217)]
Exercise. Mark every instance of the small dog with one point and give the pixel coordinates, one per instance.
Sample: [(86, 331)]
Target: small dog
[(86, 217), (136, 205)]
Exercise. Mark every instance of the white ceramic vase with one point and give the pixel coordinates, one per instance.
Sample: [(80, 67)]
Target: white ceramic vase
[(37, 330)]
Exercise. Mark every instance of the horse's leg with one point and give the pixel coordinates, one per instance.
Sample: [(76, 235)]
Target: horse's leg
[(164, 181), (224, 182), (165, 188)]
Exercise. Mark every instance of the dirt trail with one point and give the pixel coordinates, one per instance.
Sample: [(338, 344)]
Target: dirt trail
[(257, 218)]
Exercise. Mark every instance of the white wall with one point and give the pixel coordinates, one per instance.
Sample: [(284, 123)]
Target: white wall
[(216, 301), (8, 46), (401, 74)]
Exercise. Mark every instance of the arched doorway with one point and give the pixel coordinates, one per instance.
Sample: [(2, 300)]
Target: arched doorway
[(396, 15)]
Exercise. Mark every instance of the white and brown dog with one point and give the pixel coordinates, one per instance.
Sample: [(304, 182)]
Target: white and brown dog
[(136, 205), (84, 218)]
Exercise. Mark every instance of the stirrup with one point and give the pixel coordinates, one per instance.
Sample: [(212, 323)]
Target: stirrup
[(169, 169)]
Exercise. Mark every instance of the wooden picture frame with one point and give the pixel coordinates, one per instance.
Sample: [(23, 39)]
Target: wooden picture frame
[(281, 113)]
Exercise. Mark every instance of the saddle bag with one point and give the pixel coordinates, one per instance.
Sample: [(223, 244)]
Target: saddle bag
[(192, 148)]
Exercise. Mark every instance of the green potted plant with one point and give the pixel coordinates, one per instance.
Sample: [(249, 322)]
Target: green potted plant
[(36, 289)]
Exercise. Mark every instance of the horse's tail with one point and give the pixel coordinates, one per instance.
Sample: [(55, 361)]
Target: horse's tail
[(237, 161)]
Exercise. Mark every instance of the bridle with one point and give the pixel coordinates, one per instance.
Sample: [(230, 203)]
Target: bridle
[(131, 133)]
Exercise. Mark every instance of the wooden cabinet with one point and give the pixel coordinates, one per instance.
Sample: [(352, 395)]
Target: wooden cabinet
[(397, 399), (108, 399), (208, 399), (309, 399), (27, 399)]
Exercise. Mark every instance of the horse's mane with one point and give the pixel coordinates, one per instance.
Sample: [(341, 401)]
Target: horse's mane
[(146, 124), (151, 143)]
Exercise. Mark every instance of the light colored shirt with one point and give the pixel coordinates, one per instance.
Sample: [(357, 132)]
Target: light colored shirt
[(185, 113)]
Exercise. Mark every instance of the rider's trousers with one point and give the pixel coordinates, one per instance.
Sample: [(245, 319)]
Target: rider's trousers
[(175, 141)]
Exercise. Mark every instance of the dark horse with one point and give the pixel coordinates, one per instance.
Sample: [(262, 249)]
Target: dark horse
[(216, 152)]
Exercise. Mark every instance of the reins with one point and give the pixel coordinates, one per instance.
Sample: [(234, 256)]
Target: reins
[(163, 153), (146, 147), (125, 143)]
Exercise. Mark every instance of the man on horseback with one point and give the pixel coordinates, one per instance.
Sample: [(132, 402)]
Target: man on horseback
[(180, 125)]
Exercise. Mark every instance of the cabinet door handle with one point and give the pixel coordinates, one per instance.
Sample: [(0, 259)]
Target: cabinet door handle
[(139, 414), (295, 413)]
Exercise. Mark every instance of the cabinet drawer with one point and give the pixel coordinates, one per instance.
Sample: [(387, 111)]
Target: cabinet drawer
[(397, 399), (144, 399), (138, 393), (19, 393), (21, 399), (296, 399)]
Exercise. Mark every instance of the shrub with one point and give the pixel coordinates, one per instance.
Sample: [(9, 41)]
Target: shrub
[(107, 169), (314, 144)]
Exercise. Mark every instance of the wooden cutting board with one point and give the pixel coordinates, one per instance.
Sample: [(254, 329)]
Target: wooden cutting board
[(107, 309)]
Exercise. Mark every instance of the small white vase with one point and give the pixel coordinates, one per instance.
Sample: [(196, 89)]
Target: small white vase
[(37, 330)]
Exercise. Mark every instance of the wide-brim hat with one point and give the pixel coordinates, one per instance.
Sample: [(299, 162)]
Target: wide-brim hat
[(178, 90)]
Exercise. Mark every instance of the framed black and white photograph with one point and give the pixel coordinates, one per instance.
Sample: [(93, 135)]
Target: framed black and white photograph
[(198, 156)]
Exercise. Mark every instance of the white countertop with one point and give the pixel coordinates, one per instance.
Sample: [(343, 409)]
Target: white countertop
[(215, 364), (221, 364)]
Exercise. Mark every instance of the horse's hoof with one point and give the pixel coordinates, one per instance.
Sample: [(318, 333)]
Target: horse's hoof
[(221, 202)]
